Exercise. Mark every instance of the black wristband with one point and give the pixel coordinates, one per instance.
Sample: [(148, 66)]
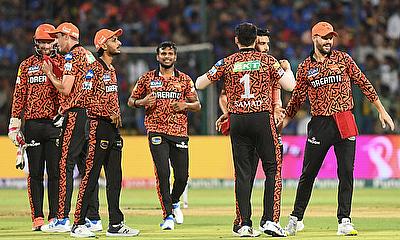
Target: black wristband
[(134, 103)]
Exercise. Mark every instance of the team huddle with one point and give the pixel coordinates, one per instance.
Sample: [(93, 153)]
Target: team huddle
[(71, 112)]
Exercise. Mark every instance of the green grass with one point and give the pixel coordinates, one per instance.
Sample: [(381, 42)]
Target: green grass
[(376, 214)]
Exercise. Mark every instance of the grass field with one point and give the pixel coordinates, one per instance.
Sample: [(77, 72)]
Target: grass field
[(376, 214)]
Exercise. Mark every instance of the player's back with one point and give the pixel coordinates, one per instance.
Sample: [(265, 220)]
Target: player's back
[(249, 78)]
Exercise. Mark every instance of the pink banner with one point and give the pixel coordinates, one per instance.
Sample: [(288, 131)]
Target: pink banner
[(377, 157)]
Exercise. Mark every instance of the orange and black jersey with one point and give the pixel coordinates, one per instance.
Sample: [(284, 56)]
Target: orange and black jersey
[(249, 77), (328, 85), (161, 118), (78, 64), (104, 100), (34, 93)]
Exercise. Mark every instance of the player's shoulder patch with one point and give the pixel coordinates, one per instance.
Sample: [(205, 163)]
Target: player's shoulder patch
[(90, 58), (219, 63), (68, 56), (276, 65)]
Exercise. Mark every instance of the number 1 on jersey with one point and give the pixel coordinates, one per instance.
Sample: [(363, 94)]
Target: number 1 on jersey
[(246, 80)]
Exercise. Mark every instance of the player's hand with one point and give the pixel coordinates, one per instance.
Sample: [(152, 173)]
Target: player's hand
[(20, 161), (14, 132), (178, 106), (279, 114), (285, 64), (384, 117), (116, 119), (47, 67), (223, 118), (149, 100)]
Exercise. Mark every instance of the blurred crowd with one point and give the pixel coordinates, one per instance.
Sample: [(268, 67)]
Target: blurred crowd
[(369, 30)]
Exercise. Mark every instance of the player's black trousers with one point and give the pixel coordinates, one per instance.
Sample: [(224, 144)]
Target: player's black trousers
[(248, 132), (104, 149), (46, 154), (166, 149), (74, 149), (323, 133)]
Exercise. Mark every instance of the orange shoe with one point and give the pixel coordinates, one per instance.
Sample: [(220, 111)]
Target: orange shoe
[(37, 223)]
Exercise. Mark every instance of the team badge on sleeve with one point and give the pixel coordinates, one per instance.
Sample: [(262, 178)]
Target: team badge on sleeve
[(212, 71), (68, 66), (219, 63)]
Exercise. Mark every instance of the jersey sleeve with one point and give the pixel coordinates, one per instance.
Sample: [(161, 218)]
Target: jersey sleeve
[(360, 79), (216, 72), (299, 94), (276, 72), (139, 90), (20, 91)]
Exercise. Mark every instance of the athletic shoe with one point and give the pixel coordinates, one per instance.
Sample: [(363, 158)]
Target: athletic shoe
[(291, 227), (300, 226), (37, 223), (121, 230), (235, 229), (81, 231), (93, 225), (274, 229), (168, 223), (176, 208), (57, 225), (346, 228), (247, 231)]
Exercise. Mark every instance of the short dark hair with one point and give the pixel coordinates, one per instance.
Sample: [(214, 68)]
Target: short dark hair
[(246, 33), (166, 44), (263, 32), (100, 52)]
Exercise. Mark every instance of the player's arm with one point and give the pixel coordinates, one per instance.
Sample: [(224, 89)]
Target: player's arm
[(223, 101), (287, 81), (202, 81), (369, 91), (64, 86), (191, 103), (139, 90)]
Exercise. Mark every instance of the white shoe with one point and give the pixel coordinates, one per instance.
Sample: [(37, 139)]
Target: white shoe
[(177, 213), (57, 225), (93, 225), (346, 228), (274, 229), (168, 223), (247, 231), (300, 226), (121, 230), (81, 231), (291, 227)]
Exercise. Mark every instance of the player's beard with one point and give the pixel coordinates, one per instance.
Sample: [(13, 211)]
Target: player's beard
[(322, 50)]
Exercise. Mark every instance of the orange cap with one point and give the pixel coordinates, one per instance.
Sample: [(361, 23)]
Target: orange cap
[(103, 35), (322, 29), (66, 28), (42, 32)]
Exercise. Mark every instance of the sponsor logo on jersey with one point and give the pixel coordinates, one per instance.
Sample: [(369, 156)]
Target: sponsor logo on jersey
[(247, 66), (313, 141), (312, 72), (90, 58), (37, 79), (156, 83), (168, 95), (68, 56), (326, 80), (68, 66), (219, 63), (212, 71), (118, 143), (33, 69), (106, 77), (104, 144), (111, 88), (89, 74), (181, 145), (87, 85), (156, 140)]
